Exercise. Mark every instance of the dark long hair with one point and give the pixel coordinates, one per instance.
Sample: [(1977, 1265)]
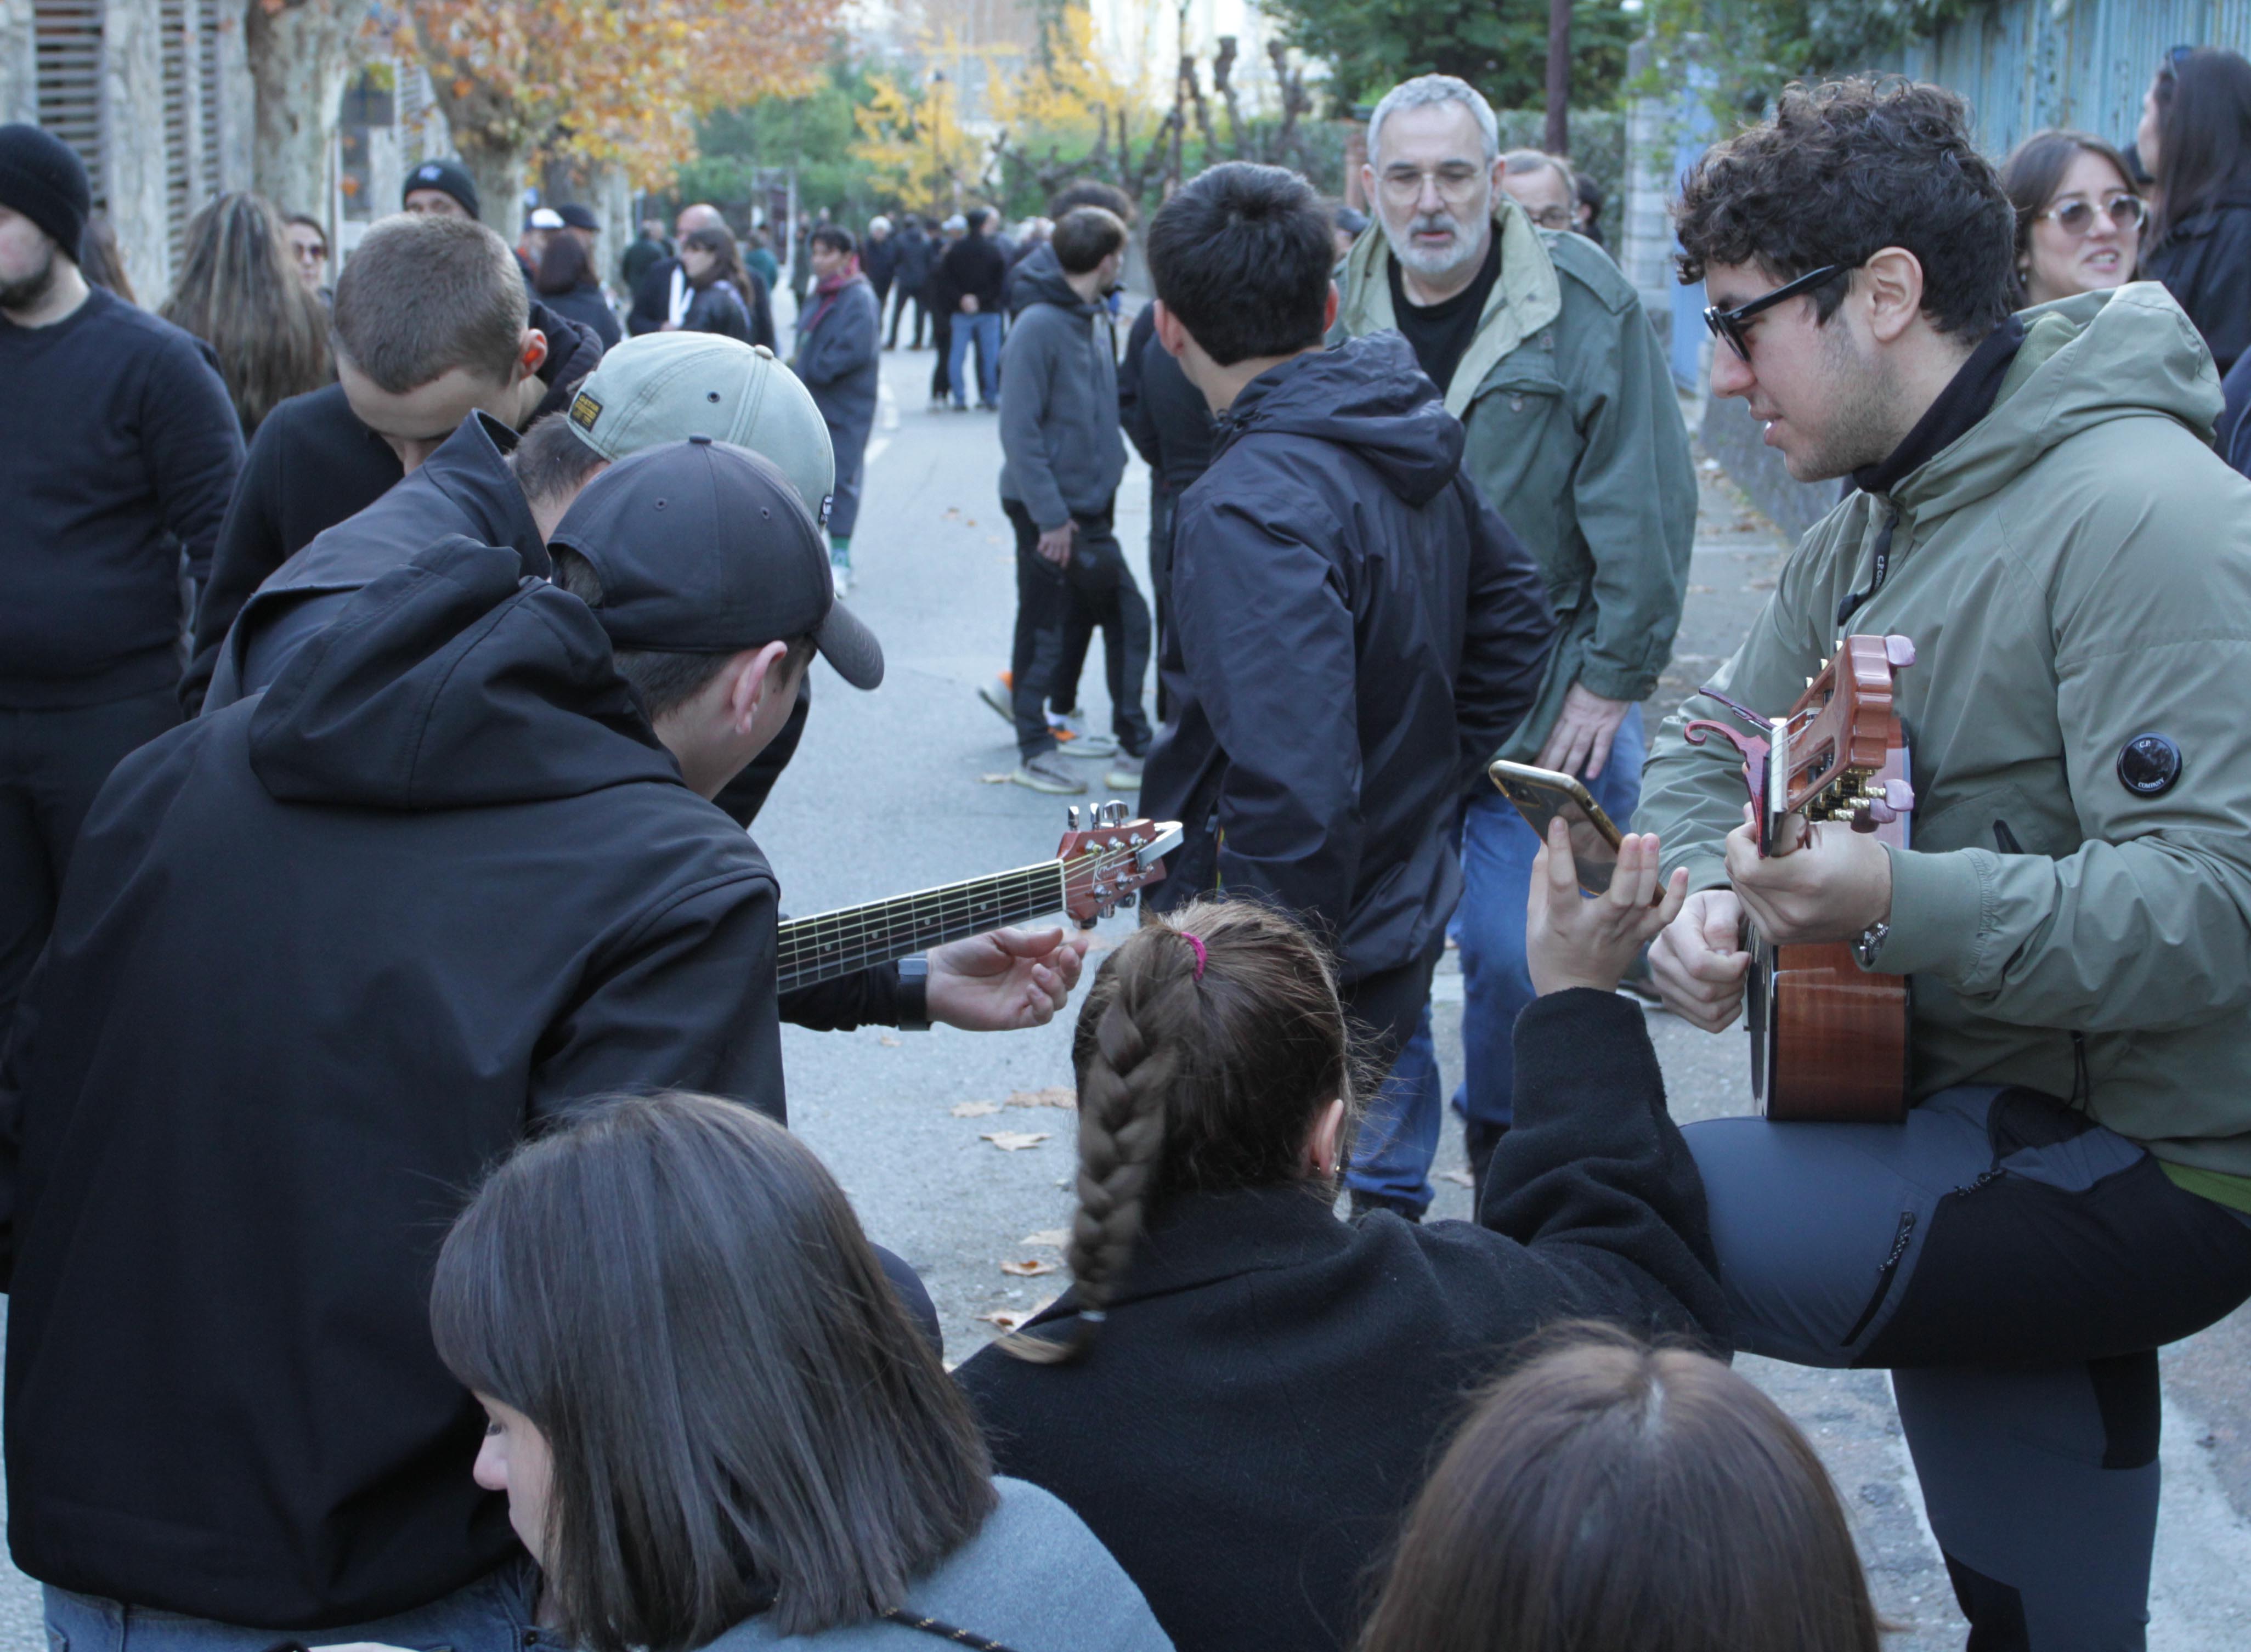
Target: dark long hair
[(1609, 1494), (2034, 171), (238, 291), (714, 237), (740, 1414), (1192, 1085), (2204, 133), (564, 266)]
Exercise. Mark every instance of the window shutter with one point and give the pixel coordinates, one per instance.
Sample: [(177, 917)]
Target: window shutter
[(67, 51)]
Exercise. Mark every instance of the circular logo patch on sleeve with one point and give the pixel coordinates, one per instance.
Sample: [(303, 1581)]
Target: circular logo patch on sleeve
[(2149, 765)]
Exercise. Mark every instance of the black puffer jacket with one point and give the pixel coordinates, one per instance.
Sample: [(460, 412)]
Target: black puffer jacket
[(2204, 262), (322, 958), (311, 464), (1355, 633)]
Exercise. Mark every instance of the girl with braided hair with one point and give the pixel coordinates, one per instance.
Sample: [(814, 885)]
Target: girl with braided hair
[(1240, 1393)]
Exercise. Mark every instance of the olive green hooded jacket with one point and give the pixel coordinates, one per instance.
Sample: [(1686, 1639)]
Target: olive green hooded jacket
[(1576, 438), (2075, 571)]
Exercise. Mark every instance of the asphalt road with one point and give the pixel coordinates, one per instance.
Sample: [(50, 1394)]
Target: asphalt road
[(894, 791)]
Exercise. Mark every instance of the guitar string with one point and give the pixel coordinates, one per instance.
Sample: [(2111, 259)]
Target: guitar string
[(888, 929), (852, 924)]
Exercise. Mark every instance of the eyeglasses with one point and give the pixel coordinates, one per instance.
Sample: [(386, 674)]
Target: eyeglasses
[(1729, 324), (1550, 217), (2077, 217), (1454, 183), (2175, 57)]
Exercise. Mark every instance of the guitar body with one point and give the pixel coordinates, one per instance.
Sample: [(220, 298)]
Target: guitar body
[(1829, 1041)]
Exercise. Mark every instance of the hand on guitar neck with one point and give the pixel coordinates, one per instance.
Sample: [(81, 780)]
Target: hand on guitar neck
[(1818, 884)]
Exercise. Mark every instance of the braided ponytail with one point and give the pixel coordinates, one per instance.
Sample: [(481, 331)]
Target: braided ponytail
[(1191, 1079)]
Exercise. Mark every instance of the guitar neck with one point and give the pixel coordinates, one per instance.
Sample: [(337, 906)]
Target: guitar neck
[(830, 944)]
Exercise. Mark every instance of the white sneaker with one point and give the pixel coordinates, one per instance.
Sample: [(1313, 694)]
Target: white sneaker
[(1076, 739), (840, 569), (1001, 695), (1124, 774), (1043, 773)]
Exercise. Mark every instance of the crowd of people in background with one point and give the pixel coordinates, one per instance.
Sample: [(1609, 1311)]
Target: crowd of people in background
[(398, 648)]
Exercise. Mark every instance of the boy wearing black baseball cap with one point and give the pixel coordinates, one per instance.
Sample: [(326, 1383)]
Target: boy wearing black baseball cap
[(330, 952)]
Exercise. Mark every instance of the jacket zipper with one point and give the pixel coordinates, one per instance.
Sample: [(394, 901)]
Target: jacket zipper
[(1884, 1277)]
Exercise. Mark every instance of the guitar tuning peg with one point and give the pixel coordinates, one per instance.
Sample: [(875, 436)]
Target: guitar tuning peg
[(1074, 817), (1126, 902)]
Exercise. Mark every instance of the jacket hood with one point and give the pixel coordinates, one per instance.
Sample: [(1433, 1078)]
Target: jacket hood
[(456, 681), (2128, 353), (1367, 394), (1038, 278)]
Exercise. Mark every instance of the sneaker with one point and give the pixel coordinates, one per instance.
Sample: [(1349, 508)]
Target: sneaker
[(1074, 737), (1001, 694), (1124, 774), (1043, 773), (840, 569)]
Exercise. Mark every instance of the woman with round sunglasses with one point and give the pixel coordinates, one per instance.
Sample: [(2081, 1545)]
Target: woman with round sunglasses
[(2079, 219), (2195, 141)]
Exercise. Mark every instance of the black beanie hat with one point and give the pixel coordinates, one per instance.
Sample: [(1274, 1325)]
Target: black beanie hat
[(449, 176), (42, 177)]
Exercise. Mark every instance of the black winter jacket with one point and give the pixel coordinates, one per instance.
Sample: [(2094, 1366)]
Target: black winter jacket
[(1272, 1384), (974, 266), (2204, 262), (652, 306), (322, 958), (1165, 418), (311, 464), (1355, 633)]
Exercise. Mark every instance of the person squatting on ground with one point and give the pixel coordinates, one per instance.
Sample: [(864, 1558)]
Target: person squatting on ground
[(780, 1459), (459, 852), (839, 360), (1573, 434), (974, 268), (1063, 456), (239, 290), (2036, 507), (1240, 1393), (1356, 629), (431, 323), (118, 448), (1608, 1495)]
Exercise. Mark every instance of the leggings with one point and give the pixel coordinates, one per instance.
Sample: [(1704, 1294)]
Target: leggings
[(2016, 1267)]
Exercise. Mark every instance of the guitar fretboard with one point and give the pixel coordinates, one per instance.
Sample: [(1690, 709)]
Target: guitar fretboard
[(829, 944)]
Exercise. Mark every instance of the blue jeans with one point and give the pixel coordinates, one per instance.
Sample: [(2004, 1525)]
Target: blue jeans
[(985, 328), (1399, 1135), (495, 1613)]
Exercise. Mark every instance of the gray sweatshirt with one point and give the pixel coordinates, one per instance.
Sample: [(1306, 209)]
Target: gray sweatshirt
[(1035, 1579), (1060, 439)]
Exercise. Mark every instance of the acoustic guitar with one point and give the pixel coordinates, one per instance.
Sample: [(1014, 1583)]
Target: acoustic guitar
[(1099, 866), (1829, 1040)]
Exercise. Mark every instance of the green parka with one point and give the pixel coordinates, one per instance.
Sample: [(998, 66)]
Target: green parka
[(2075, 571), (1576, 438)]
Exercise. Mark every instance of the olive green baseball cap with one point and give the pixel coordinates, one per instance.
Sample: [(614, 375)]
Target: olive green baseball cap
[(667, 387)]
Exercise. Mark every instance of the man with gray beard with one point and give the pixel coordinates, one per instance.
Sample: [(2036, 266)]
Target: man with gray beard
[(1538, 344)]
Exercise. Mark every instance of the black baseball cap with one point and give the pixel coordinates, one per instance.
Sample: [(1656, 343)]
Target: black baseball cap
[(576, 217), (705, 548)]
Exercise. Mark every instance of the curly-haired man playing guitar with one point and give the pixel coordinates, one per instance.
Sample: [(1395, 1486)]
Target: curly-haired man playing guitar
[(2038, 507)]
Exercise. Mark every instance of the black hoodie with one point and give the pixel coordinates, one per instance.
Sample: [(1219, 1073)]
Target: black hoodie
[(1355, 633), (311, 464), (323, 956)]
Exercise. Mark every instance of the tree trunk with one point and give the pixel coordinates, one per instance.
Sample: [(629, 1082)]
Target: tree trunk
[(498, 168), (1559, 77), (299, 59)]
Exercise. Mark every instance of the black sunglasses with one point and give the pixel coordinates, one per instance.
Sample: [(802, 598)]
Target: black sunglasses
[(1729, 324)]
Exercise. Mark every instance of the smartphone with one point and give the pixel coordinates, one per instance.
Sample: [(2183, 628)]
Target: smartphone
[(1541, 795)]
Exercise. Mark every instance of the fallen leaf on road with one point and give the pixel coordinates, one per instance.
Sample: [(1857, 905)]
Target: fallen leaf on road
[(888, 1041), (1758, 585), (975, 1109), (1054, 1096), (1057, 1236), (1006, 1319), (1458, 1177), (1701, 590), (1031, 1269), (1015, 1141), (1000, 779)]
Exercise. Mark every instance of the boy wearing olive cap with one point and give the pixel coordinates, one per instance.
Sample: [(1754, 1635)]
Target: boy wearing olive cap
[(330, 951)]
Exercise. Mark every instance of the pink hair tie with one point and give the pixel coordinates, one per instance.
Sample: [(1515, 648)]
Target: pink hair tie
[(1197, 942)]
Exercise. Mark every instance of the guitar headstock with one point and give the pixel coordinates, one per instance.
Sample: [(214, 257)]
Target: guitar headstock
[(1110, 860), (1839, 739)]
